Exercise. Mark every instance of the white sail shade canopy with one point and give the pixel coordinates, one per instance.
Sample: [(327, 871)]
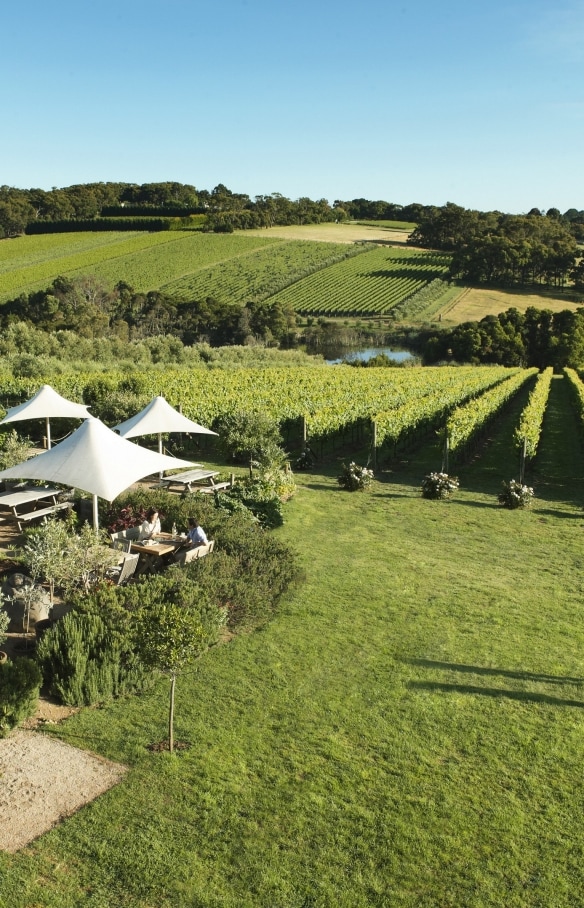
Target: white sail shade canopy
[(95, 460), (158, 418), (46, 403)]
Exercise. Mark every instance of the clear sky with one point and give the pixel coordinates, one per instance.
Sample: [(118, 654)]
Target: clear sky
[(465, 101)]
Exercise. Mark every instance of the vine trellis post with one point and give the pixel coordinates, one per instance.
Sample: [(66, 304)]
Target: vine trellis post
[(446, 453), (522, 461), (374, 443)]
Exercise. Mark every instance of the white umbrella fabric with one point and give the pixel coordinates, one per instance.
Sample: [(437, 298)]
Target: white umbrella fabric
[(46, 403), (158, 417), (95, 460)]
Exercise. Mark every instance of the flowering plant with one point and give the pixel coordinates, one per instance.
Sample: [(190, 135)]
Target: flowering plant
[(355, 478), (515, 495), (439, 485)]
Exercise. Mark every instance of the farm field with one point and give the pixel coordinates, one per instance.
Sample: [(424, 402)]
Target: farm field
[(408, 731), (259, 273), (389, 225), (145, 261), (329, 399), (473, 303), (371, 284), (350, 232), (301, 265)]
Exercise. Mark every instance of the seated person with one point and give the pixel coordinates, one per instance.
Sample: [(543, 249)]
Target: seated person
[(151, 526), (196, 534)]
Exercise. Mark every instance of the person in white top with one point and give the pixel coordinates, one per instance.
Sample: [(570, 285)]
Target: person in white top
[(151, 526)]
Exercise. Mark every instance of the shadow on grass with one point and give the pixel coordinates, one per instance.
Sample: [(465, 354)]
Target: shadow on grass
[(499, 672), (556, 512), (526, 696)]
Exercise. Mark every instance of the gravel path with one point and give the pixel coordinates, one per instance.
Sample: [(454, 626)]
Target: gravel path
[(44, 781)]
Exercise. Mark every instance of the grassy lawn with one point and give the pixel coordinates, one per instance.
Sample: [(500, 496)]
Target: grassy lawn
[(409, 730)]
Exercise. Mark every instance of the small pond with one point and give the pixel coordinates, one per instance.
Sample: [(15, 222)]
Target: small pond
[(365, 354)]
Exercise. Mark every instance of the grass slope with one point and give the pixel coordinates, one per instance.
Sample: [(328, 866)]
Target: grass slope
[(471, 304), (146, 261), (409, 731)]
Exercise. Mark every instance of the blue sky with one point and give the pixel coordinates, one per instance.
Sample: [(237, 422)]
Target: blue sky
[(474, 103)]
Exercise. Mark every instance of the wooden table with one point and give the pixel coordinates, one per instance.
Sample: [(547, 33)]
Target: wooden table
[(190, 478), (14, 501), (152, 553)]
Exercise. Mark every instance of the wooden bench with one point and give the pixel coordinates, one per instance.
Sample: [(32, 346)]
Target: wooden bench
[(199, 551), (210, 490), (42, 512)]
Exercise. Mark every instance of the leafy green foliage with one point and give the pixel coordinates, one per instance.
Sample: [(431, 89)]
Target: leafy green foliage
[(528, 431), (14, 449), (249, 435), (4, 622), (20, 682), (469, 419), (88, 657)]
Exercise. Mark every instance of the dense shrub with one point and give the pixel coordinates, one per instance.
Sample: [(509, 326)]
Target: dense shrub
[(247, 573), (515, 495), (439, 485), (355, 478), (4, 622), (88, 657), (20, 683), (259, 497)]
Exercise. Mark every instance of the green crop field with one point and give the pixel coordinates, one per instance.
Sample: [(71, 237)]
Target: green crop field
[(260, 273), (146, 261), (371, 284)]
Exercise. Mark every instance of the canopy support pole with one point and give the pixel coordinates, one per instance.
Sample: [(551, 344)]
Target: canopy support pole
[(48, 434), (95, 514)]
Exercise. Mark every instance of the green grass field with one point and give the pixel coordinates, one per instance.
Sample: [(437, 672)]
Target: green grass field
[(408, 731), (390, 225), (146, 261)]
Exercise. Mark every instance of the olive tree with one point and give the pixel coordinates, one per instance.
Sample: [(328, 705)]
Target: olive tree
[(168, 638)]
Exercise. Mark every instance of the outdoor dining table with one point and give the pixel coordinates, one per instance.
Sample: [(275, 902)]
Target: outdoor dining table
[(13, 502), (151, 553), (190, 478)]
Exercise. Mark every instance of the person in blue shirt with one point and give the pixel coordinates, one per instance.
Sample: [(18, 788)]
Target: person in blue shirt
[(196, 534)]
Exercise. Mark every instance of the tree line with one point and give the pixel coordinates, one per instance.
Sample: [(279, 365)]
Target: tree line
[(92, 310), (504, 249), (536, 337)]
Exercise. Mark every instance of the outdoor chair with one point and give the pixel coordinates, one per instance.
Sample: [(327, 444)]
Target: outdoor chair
[(123, 572), (131, 533)]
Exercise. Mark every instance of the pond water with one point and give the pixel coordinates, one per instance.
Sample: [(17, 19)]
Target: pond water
[(365, 354)]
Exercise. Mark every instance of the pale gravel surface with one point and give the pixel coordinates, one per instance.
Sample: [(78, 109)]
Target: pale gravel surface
[(42, 781)]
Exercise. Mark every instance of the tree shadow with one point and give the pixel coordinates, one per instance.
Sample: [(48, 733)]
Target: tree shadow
[(498, 672), (523, 695)]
